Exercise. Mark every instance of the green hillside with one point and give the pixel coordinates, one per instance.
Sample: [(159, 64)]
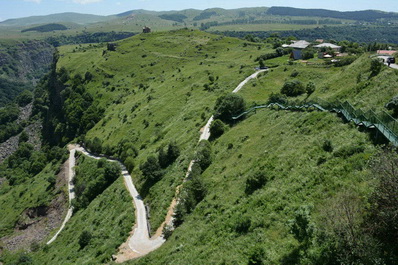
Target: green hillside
[(54, 18), (268, 190)]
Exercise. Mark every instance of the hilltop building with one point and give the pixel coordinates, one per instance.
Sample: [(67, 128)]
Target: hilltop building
[(146, 29), (298, 47), (332, 46), (386, 52)]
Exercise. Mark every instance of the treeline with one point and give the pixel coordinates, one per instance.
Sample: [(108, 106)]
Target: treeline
[(67, 109), (205, 15), (46, 28), (174, 17), (366, 15), (253, 21), (87, 37), (359, 34)]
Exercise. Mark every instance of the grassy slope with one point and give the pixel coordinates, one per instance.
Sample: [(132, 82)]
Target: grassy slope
[(14, 200), (287, 147), (179, 107), (109, 218)]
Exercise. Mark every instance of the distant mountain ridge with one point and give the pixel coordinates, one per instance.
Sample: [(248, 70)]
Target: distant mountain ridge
[(365, 15), (187, 15), (54, 18)]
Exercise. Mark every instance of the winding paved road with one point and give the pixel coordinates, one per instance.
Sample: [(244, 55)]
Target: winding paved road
[(140, 242)]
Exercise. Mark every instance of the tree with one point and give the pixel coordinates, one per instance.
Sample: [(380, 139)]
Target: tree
[(84, 239), (228, 106), (129, 163), (261, 63), (151, 170), (293, 88), (24, 137), (217, 129), (96, 145), (383, 218), (203, 154), (375, 67), (25, 98)]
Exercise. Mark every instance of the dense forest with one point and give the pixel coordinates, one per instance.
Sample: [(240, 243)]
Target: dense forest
[(361, 34), (46, 28), (87, 37)]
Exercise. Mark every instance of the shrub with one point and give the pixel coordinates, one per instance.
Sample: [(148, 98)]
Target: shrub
[(308, 54), (310, 88), (24, 98), (393, 105), (95, 145), (327, 146), (228, 106), (168, 157), (277, 98), (295, 73), (217, 129), (24, 137), (203, 154), (129, 163), (375, 67), (84, 239), (293, 88), (255, 182)]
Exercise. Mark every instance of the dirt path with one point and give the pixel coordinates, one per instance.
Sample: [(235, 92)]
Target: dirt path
[(71, 190)]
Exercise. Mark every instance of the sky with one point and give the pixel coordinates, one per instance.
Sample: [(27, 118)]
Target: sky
[(24, 8)]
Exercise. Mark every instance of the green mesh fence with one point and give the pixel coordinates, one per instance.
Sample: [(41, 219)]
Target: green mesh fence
[(382, 121)]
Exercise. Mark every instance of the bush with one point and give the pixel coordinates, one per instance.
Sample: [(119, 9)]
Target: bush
[(24, 98), (277, 98), (393, 105), (129, 163), (168, 157), (295, 73), (228, 106), (310, 88), (255, 182), (293, 88), (84, 239), (203, 154), (151, 170), (327, 146), (375, 67), (217, 129)]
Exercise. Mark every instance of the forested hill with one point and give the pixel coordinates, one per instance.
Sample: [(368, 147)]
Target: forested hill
[(366, 15), (22, 64)]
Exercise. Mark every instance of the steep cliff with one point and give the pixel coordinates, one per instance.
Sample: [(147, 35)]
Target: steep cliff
[(22, 64)]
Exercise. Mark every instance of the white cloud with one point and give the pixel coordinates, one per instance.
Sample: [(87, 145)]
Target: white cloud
[(83, 2)]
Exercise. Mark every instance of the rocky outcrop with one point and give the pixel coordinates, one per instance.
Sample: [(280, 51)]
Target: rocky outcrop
[(33, 130), (26, 61), (36, 223)]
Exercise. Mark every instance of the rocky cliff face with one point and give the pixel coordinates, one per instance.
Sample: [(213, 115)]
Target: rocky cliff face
[(22, 64)]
